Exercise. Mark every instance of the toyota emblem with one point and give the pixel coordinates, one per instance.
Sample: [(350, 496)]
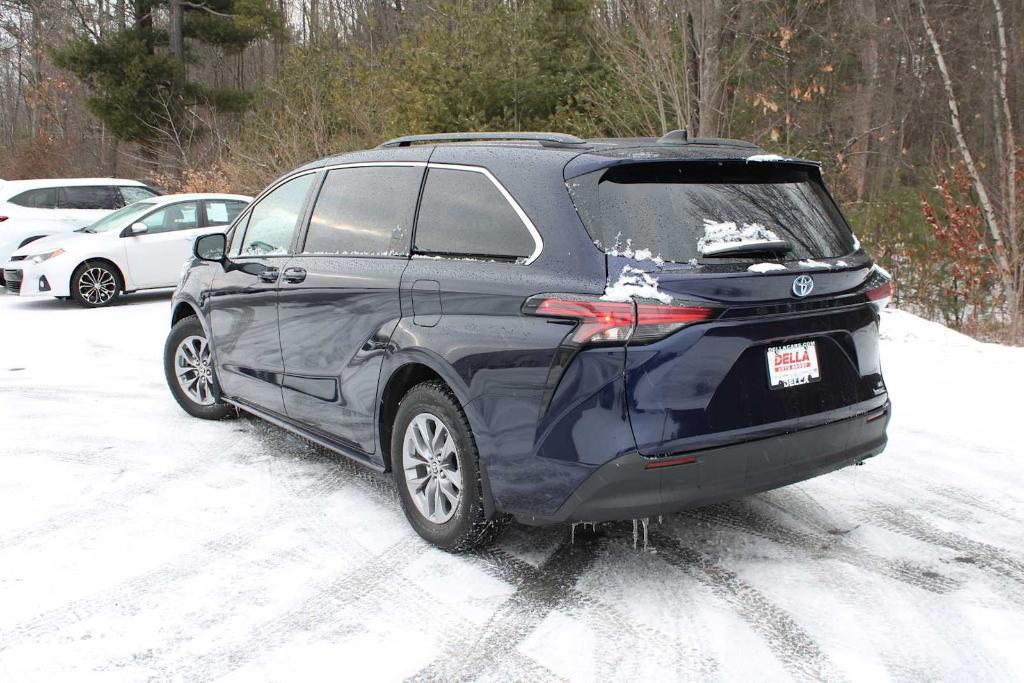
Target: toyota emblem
[(802, 285)]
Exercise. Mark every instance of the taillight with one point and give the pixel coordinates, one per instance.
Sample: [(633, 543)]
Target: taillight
[(654, 321), (616, 321), (3, 218), (880, 291), (599, 321)]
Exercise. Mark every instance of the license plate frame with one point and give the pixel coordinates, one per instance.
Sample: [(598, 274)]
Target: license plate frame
[(800, 368)]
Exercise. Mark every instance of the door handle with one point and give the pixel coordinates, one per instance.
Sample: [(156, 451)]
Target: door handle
[(269, 275), (294, 275)]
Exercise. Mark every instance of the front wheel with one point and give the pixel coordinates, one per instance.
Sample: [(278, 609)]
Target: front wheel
[(437, 470), (188, 367), (96, 284)]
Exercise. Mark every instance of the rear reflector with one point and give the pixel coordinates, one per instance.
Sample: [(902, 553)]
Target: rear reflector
[(669, 462), (616, 321)]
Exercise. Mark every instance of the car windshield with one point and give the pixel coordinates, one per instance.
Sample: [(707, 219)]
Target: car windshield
[(121, 218), (684, 211)]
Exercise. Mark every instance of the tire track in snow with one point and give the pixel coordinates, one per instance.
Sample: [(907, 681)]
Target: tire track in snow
[(112, 503), (738, 515), (795, 649), (540, 591), (970, 500), (982, 555), (538, 594), (129, 591), (330, 603)]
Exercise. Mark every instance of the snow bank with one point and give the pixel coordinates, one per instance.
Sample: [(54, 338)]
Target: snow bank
[(635, 283), (723, 234)]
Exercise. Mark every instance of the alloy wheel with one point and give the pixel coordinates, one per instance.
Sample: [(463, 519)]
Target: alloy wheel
[(97, 285), (431, 463), (193, 366)]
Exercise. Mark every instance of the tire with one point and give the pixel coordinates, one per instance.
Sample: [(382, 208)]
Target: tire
[(95, 284), (203, 399), (457, 526)]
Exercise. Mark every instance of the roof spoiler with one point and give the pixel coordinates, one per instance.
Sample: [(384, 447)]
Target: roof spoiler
[(545, 139), (680, 137)]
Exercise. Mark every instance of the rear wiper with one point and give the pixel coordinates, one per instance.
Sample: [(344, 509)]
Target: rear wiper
[(726, 249)]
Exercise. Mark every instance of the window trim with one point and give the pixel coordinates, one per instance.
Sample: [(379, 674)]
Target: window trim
[(247, 213), (300, 244), (538, 241), (198, 203)]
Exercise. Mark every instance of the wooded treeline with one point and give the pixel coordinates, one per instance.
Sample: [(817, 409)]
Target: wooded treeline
[(913, 106)]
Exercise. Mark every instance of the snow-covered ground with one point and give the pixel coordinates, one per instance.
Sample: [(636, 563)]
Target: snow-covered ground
[(137, 543)]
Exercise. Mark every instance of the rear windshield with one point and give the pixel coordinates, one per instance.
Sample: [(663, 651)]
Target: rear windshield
[(680, 212)]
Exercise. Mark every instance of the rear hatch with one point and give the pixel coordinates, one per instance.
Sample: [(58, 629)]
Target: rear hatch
[(782, 351)]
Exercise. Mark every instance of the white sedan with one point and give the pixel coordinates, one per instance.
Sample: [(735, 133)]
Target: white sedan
[(141, 246)]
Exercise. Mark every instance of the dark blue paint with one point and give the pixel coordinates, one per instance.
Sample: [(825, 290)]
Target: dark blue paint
[(317, 355)]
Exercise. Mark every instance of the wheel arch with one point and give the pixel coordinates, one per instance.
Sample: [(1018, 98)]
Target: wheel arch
[(98, 259), (403, 377)]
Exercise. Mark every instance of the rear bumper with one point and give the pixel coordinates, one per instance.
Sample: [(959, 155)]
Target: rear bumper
[(633, 486)]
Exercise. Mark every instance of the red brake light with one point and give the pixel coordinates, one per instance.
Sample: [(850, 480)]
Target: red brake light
[(3, 218), (599, 320), (618, 321)]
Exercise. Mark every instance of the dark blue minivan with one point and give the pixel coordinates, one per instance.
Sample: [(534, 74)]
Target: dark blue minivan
[(537, 326)]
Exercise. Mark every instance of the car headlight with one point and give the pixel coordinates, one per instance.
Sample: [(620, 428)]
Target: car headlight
[(39, 258)]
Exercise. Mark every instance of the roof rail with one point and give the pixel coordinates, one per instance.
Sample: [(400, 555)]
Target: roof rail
[(545, 139)]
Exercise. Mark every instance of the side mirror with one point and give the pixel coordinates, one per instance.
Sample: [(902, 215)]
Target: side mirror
[(210, 247), (134, 229)]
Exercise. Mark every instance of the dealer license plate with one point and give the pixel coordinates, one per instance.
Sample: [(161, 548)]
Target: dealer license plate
[(792, 365)]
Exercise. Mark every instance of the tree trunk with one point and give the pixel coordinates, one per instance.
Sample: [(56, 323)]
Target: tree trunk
[(1008, 274), (864, 97), (176, 32), (709, 25)]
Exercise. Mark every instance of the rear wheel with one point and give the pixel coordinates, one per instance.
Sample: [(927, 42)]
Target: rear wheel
[(95, 284), (437, 469), (188, 368)]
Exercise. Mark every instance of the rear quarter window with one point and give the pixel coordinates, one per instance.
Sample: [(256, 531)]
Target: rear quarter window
[(463, 213), (668, 208), (42, 198)]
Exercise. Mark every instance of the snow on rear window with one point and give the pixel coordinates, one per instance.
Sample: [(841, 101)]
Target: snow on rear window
[(666, 207), (726, 234)]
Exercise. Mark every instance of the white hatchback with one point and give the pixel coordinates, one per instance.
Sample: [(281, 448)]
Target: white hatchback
[(30, 209), (142, 246)]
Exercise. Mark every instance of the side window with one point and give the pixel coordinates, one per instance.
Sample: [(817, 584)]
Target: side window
[(364, 211), (183, 216), (272, 222), (133, 193), (87, 197), (222, 211), (43, 198), (462, 212)]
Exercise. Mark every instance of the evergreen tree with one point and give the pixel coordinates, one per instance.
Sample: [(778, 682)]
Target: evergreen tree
[(138, 83)]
